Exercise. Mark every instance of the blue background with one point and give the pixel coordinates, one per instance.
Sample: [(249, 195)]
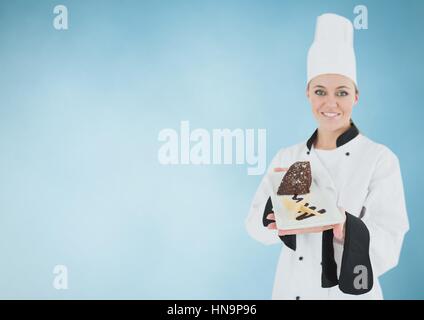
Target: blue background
[(80, 113)]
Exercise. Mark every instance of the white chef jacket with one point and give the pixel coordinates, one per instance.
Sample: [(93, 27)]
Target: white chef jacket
[(365, 178)]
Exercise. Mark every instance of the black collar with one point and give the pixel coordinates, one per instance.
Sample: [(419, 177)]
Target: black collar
[(345, 137)]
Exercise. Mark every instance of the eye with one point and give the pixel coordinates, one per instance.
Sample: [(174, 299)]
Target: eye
[(342, 93), (320, 92)]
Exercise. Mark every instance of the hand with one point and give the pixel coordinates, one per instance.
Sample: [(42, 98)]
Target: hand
[(273, 225), (339, 229)]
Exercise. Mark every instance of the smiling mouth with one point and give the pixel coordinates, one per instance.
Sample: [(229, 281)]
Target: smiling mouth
[(331, 115)]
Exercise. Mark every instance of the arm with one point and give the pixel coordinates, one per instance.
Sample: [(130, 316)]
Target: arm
[(385, 214), (256, 221), (374, 240)]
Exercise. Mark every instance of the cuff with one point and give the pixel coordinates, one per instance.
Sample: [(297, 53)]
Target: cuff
[(289, 240), (356, 276)]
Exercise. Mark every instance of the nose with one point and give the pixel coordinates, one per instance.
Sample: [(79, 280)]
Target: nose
[(331, 101)]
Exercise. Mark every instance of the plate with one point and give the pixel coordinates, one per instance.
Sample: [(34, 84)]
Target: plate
[(314, 209)]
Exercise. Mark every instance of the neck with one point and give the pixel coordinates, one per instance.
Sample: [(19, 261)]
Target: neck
[(326, 140)]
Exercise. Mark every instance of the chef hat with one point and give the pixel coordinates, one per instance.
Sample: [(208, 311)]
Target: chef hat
[(332, 50)]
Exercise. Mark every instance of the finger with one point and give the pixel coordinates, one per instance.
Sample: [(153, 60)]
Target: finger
[(290, 232), (278, 169), (270, 216), (328, 228), (272, 225), (338, 231), (305, 230), (283, 232)]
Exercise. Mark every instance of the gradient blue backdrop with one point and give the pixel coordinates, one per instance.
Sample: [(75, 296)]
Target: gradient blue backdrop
[(80, 113)]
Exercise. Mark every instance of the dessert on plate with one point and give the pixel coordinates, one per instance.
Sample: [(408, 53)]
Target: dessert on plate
[(298, 202)]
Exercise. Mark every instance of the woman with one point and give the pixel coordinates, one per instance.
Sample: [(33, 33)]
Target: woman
[(338, 261)]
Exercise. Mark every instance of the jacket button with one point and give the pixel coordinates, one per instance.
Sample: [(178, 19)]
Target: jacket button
[(300, 258), (297, 298), (347, 153), (307, 152)]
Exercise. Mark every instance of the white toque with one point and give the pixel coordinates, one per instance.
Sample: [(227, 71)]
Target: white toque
[(332, 50)]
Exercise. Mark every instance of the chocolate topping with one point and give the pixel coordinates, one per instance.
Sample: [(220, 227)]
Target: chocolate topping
[(297, 180)]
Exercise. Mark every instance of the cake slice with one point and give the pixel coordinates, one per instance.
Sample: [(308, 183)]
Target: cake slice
[(297, 180)]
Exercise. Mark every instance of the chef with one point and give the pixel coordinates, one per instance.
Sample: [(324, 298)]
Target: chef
[(340, 261)]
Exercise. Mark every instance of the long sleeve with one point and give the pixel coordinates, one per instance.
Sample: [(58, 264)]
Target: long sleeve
[(256, 220), (348, 264), (373, 240), (385, 214)]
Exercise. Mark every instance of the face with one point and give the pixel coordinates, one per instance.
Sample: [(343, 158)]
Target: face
[(332, 97)]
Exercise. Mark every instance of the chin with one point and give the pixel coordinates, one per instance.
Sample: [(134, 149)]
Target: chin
[(332, 125)]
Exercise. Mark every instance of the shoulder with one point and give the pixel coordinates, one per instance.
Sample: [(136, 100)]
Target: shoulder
[(384, 157), (381, 150)]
